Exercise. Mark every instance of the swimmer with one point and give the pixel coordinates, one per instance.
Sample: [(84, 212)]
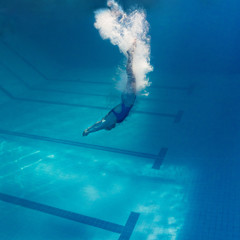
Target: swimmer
[(121, 111)]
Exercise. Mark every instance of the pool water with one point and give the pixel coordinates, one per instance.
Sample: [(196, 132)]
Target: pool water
[(170, 171)]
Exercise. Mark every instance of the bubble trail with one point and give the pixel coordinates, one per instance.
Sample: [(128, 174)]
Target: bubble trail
[(122, 29)]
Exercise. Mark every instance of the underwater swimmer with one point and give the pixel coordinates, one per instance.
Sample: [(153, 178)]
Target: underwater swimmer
[(121, 111)]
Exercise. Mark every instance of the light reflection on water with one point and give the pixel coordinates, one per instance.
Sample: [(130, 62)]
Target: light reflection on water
[(163, 215), (161, 197)]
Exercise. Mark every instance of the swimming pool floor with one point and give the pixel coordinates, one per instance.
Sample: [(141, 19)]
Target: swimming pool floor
[(170, 171)]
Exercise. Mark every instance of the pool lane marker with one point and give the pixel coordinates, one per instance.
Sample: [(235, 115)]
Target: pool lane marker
[(27, 62), (176, 117), (159, 159), (84, 145), (32, 88), (24, 59), (124, 231)]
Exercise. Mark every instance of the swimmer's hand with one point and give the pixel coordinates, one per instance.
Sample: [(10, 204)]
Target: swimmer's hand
[(85, 133)]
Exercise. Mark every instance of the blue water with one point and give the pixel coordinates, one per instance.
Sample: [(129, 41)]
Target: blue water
[(169, 172)]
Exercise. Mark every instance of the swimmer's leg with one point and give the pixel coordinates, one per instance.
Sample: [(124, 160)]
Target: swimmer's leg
[(107, 123), (95, 127), (129, 94), (131, 80)]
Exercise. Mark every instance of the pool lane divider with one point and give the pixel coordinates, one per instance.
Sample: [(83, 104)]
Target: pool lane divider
[(10, 48), (24, 59), (177, 117), (32, 88), (124, 231), (159, 159), (87, 145)]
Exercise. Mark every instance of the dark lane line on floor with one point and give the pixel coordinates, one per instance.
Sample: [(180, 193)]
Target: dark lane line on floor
[(6, 93), (159, 160), (129, 226), (24, 59), (32, 88), (188, 89), (79, 144), (177, 117), (125, 231), (16, 76)]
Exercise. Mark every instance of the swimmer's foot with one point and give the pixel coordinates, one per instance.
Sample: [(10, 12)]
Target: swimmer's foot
[(85, 133)]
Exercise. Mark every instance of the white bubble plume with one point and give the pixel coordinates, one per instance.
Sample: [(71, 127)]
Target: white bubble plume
[(123, 29)]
